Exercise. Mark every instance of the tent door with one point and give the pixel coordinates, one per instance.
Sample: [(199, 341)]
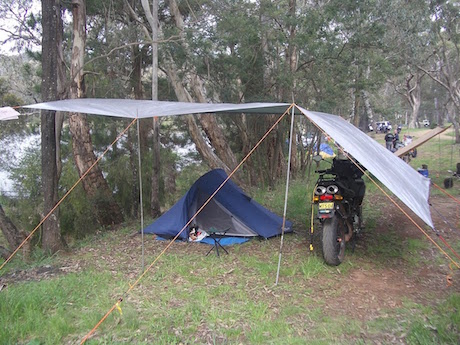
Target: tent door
[(217, 216)]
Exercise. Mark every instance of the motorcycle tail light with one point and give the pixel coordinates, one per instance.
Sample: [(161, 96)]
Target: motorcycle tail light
[(332, 189), (326, 197), (320, 190)]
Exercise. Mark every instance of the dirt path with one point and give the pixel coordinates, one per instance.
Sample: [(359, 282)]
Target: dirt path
[(373, 288)]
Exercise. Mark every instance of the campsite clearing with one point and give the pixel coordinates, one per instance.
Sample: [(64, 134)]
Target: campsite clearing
[(393, 289)]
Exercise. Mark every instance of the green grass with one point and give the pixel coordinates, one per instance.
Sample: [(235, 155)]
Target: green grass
[(49, 310), (423, 324)]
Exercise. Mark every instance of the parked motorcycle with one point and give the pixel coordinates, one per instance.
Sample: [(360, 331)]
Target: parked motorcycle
[(339, 194)]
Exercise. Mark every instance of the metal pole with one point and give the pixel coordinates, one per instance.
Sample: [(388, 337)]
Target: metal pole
[(140, 191), (286, 194)]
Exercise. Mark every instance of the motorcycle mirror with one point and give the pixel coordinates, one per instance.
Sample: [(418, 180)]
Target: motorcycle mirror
[(317, 158)]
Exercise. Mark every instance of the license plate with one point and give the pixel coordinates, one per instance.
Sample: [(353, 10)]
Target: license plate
[(326, 206)]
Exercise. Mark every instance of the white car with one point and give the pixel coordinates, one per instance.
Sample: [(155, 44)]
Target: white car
[(426, 123), (383, 126)]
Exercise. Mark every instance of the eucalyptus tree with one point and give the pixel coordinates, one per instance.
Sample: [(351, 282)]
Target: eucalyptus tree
[(444, 59), (106, 209), (52, 26), (151, 13), (179, 62), (21, 25), (406, 47)]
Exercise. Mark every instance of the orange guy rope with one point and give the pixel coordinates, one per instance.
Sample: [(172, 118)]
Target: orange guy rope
[(131, 286), (394, 202), (449, 195), (66, 194)]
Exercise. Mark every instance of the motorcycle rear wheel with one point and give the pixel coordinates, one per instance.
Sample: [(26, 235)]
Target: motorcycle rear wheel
[(333, 241)]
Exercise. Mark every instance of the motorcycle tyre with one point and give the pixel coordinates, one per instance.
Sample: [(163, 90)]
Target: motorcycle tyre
[(333, 241)]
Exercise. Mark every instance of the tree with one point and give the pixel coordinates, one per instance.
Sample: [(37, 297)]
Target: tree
[(52, 240), (107, 210), (13, 236), (445, 57), (152, 18)]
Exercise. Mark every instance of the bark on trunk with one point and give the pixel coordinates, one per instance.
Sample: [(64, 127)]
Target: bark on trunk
[(292, 69), (51, 24), (13, 236), (368, 107), (155, 210), (183, 96), (106, 210), (414, 96), (223, 152), (133, 163), (152, 17)]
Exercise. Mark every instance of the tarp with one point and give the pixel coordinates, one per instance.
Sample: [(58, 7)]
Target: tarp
[(230, 210), (132, 108), (408, 185), (8, 113), (326, 151)]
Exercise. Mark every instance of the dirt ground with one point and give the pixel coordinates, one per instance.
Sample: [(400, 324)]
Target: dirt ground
[(369, 288)]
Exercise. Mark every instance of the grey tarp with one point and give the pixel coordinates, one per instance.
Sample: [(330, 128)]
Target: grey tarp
[(8, 113), (409, 186), (133, 108)]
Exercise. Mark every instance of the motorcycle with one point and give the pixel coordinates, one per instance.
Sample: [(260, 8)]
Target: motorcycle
[(339, 194)]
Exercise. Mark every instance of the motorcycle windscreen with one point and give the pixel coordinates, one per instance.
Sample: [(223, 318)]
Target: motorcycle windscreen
[(407, 184)]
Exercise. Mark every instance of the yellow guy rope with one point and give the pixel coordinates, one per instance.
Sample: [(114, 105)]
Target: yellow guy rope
[(66, 194), (312, 219), (131, 286), (394, 202)]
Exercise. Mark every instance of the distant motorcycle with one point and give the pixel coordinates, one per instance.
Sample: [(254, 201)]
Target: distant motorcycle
[(339, 194)]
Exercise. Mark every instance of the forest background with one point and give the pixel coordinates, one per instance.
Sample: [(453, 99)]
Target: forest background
[(364, 60)]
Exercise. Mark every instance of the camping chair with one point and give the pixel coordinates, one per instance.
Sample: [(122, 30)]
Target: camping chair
[(216, 236)]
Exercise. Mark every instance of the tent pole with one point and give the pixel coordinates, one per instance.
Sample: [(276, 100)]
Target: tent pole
[(286, 194), (140, 191)]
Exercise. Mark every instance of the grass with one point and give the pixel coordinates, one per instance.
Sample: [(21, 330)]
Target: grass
[(48, 310), (189, 298)]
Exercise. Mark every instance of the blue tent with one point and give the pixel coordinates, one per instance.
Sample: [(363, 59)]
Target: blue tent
[(229, 209)]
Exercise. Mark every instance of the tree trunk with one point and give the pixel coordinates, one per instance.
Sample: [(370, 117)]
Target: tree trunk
[(292, 71), (152, 17), (13, 236), (210, 126), (51, 18), (202, 146), (414, 96), (133, 163), (368, 107), (106, 209), (155, 210), (452, 111)]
